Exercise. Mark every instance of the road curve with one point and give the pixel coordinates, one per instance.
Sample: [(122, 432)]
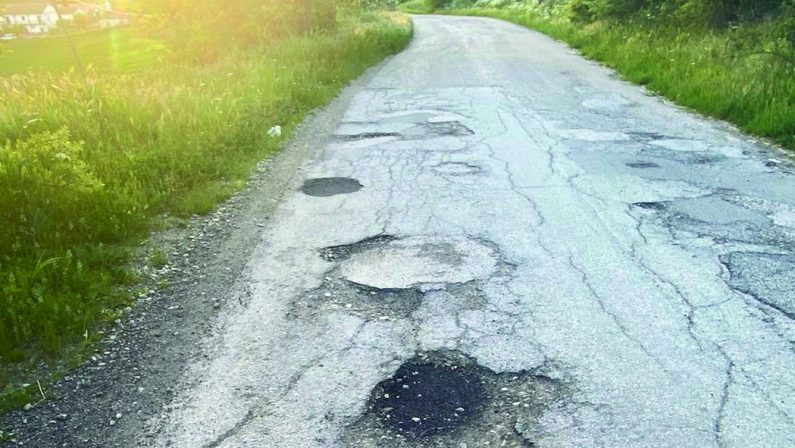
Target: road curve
[(503, 244)]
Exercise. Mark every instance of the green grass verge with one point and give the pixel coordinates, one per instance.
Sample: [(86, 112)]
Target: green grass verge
[(117, 50), (702, 70), (87, 167)]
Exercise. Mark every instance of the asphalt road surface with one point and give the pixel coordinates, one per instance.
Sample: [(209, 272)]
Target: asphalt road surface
[(523, 251), (503, 244)]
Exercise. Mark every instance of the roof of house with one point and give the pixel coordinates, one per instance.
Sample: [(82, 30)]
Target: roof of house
[(73, 7), (37, 7), (21, 8)]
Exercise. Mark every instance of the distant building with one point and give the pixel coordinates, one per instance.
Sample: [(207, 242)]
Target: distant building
[(41, 17)]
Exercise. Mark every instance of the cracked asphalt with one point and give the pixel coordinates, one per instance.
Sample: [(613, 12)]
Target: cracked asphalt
[(523, 208), (502, 244)]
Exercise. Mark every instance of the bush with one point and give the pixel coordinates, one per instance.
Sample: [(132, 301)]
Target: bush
[(580, 11), (54, 197)]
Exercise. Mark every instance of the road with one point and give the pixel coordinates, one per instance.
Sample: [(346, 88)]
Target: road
[(503, 244)]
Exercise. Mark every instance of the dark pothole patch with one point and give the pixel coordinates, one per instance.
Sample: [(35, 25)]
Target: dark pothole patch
[(444, 398), (656, 206), (370, 135), (706, 160), (425, 398), (642, 165), (344, 251), (330, 186)]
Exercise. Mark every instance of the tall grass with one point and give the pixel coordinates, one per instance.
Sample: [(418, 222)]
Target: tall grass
[(87, 164), (723, 73)]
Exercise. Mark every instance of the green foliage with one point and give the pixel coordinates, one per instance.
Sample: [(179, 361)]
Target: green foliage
[(416, 7), (429, 6), (712, 13), (88, 164)]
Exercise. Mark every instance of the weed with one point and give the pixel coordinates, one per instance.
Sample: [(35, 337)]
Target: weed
[(158, 258)]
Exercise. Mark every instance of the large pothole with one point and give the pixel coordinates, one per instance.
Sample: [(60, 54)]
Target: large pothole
[(417, 261), (330, 186), (385, 277), (445, 398)]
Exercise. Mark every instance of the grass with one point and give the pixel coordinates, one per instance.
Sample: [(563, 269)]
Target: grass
[(120, 50), (89, 165), (700, 69)]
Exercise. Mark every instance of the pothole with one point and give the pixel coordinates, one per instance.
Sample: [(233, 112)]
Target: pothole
[(647, 136), (706, 160), (457, 169), (444, 398), (330, 186), (657, 206), (417, 261), (409, 127), (383, 276), (343, 251), (336, 294), (370, 135), (642, 165), (449, 128), (426, 398)]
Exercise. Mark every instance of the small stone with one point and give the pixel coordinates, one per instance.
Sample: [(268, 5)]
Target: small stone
[(27, 407), (112, 422), (62, 416), (118, 415), (415, 419), (459, 409)]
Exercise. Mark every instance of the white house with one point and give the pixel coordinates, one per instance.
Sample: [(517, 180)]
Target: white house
[(35, 17), (40, 17)]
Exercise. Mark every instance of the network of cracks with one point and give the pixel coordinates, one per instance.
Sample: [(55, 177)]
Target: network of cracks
[(436, 398), (445, 397)]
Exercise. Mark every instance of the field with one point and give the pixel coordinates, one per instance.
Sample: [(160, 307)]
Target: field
[(118, 50)]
